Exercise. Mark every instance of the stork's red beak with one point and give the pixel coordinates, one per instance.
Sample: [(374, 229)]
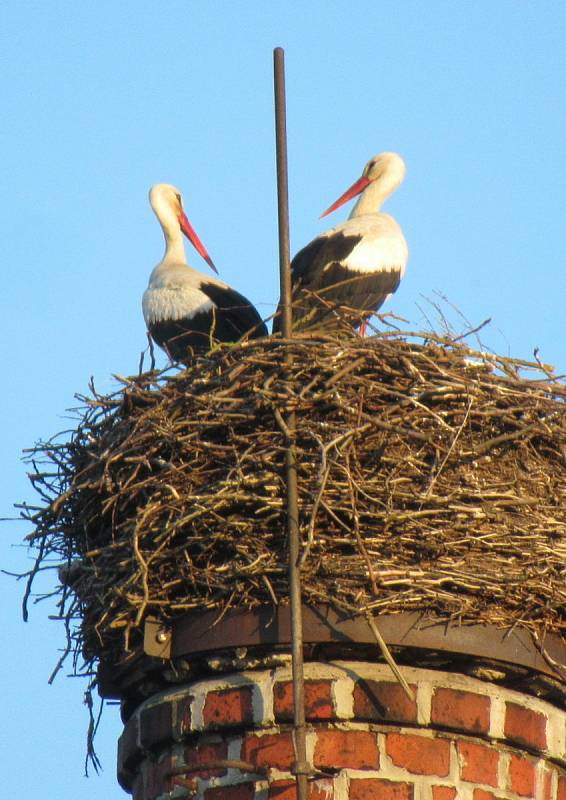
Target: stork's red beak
[(190, 233), (355, 188)]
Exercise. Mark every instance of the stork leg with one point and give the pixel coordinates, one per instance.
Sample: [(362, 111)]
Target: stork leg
[(151, 351)]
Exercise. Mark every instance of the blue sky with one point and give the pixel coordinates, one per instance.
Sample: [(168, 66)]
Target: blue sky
[(100, 100)]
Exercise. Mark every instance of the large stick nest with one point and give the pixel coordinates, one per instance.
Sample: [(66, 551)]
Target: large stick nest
[(431, 477)]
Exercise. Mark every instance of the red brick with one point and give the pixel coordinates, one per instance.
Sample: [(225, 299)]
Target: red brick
[(228, 707), (443, 793), (383, 700), (287, 790), (155, 782), (483, 794), (155, 726), (478, 763), (419, 755), (521, 776), (544, 789), (346, 749), (206, 753), (282, 790), (272, 750), (372, 788), (462, 710), (318, 700), (524, 726), (239, 791), (561, 793)]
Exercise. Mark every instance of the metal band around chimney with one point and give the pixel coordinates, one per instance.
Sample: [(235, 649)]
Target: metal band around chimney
[(196, 633)]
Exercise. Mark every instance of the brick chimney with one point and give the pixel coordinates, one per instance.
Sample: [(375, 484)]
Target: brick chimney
[(228, 735)]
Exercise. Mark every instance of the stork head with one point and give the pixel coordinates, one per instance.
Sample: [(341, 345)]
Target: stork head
[(385, 169), (388, 167), (167, 204)]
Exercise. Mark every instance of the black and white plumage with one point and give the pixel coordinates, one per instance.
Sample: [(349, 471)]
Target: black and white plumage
[(184, 309), (346, 273)]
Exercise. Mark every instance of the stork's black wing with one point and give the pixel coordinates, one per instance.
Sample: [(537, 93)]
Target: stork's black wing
[(229, 317)]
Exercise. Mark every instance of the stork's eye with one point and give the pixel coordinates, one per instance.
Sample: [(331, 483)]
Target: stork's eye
[(178, 196)]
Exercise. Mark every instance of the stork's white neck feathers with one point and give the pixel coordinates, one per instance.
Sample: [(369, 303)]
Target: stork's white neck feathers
[(166, 204), (385, 172)]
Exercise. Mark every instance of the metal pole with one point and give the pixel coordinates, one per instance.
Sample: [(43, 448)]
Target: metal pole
[(282, 192), (300, 768)]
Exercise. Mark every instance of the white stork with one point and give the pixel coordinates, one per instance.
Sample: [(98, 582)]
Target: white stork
[(185, 310), (347, 272)]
